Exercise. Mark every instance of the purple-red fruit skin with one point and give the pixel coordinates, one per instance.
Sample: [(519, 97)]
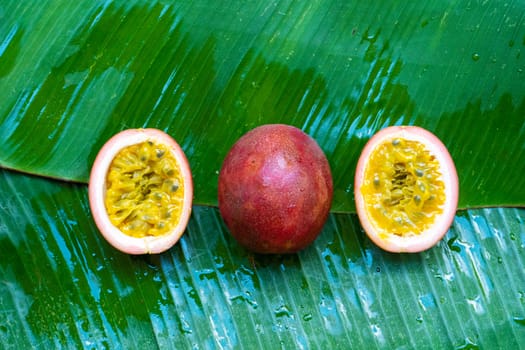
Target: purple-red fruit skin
[(275, 189)]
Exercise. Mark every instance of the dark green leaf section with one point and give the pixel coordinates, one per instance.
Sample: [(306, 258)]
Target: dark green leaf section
[(63, 286), (72, 74)]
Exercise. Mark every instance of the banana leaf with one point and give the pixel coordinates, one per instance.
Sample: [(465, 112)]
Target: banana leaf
[(73, 73), (64, 286)]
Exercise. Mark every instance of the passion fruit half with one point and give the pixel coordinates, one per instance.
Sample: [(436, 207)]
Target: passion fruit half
[(275, 189), (141, 191), (406, 189)]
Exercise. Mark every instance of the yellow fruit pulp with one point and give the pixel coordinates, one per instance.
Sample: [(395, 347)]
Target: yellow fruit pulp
[(402, 188), (144, 190)]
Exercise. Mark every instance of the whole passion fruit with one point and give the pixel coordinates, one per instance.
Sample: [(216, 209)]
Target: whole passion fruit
[(275, 189), (406, 189), (141, 191)]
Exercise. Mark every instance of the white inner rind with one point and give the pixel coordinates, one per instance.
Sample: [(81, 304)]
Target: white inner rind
[(97, 193)]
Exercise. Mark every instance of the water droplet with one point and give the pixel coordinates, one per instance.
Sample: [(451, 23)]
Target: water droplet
[(307, 317), (520, 320), (468, 344), (476, 305), (282, 311), (500, 259), (522, 297), (376, 330), (426, 301), (453, 245), (247, 298), (207, 274), (512, 236), (185, 327), (419, 319), (475, 56)]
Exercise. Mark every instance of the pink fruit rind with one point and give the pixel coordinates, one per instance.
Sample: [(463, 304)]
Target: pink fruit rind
[(430, 237), (97, 189)]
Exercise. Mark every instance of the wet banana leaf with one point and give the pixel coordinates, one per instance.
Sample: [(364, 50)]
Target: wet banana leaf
[(63, 286), (72, 74)]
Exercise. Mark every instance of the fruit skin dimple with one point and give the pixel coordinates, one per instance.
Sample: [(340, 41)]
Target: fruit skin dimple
[(429, 237), (97, 189), (275, 189)]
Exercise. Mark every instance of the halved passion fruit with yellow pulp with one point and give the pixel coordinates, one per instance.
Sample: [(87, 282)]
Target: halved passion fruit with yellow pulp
[(406, 189), (141, 191)]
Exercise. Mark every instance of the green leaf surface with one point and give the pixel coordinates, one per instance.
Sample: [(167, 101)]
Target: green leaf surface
[(73, 73), (63, 286)]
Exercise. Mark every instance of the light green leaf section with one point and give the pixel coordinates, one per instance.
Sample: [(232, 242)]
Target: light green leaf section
[(73, 73), (63, 286)]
